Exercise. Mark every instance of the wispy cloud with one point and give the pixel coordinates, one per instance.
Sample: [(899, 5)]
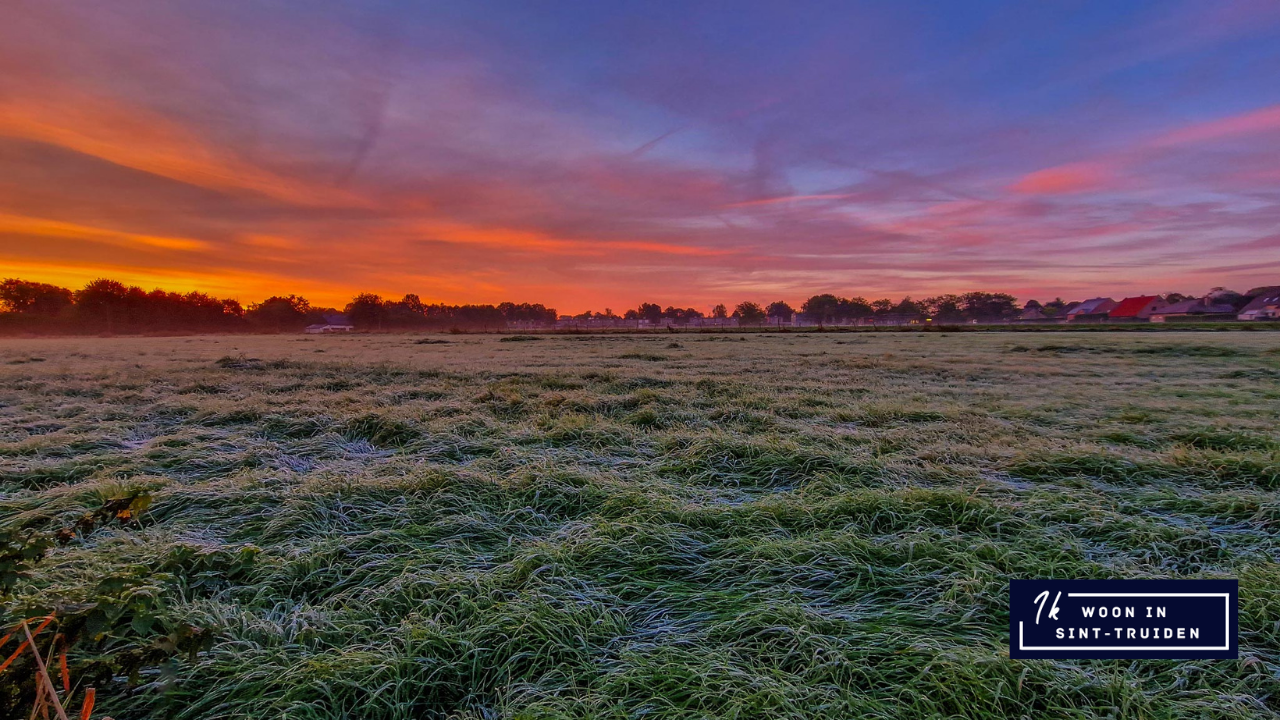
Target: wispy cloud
[(1262, 120), (1065, 179), (30, 227)]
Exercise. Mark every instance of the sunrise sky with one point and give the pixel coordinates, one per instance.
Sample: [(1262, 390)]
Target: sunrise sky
[(593, 154)]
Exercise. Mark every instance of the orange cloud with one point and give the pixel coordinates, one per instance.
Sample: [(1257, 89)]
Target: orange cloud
[(663, 248), (40, 227), (271, 242), (1064, 179), (534, 240), (136, 138)]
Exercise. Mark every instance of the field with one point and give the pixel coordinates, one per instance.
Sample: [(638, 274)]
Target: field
[(796, 525)]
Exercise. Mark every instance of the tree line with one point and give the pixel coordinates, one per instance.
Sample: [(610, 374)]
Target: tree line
[(831, 309), (111, 307), (372, 312)]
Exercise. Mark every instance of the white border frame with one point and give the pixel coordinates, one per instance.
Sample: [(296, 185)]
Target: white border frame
[(1226, 602)]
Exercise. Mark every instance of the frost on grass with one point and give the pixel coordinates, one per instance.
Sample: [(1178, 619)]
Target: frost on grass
[(778, 525)]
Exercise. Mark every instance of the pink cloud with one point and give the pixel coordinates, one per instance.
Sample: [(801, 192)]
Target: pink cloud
[(788, 198), (1066, 179), (1101, 174), (1257, 121)]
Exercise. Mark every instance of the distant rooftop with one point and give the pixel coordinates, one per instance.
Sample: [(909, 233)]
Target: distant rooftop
[(1131, 307)]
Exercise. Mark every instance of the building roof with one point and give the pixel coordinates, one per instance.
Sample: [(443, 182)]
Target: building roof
[(1268, 300), (1132, 307), (1196, 307), (1032, 314), (336, 319), (1091, 306), (1263, 290)]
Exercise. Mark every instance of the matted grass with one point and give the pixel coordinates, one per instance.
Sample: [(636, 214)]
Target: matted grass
[(739, 526)]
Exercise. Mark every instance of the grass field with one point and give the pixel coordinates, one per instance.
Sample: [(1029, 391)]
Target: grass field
[(695, 526)]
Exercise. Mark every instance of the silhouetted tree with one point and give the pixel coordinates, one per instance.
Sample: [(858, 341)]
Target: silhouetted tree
[(105, 301), (749, 313), (482, 316), (681, 316), (989, 307), (22, 296), (780, 312), (828, 308), (854, 308), (413, 304), (279, 313), (407, 312), (821, 308), (1054, 307), (531, 313), (907, 307), (944, 308), (1223, 296), (367, 310), (650, 311), (720, 312)]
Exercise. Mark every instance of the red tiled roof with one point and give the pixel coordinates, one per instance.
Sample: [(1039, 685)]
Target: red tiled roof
[(1130, 307)]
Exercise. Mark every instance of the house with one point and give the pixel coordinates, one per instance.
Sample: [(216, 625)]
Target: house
[(333, 323), (1192, 310), (1094, 310), (1034, 315), (1263, 307), (1137, 309)]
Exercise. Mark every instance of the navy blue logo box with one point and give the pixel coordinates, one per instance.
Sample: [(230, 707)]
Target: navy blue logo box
[(1166, 619)]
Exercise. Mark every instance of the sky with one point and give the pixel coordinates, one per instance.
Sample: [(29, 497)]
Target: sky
[(602, 154)]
